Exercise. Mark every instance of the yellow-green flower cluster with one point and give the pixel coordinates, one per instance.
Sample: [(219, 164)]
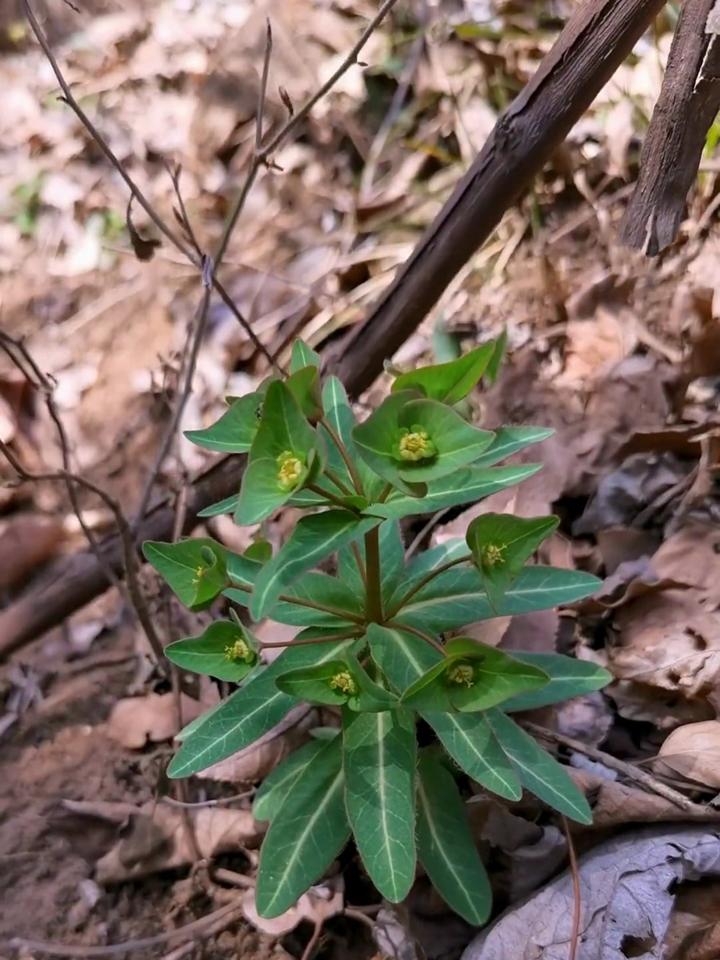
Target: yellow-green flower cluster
[(415, 444)]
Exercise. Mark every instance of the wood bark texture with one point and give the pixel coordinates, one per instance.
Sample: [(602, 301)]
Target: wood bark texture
[(687, 106)]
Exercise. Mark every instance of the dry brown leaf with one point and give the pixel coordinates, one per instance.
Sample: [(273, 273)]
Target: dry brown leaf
[(157, 839), (595, 346), (693, 751), (317, 905), (136, 720), (26, 542)]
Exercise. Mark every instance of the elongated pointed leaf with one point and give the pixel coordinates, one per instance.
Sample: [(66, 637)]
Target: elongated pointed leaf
[(310, 594), (313, 539), (303, 356), (456, 597), (538, 771), (501, 545), (509, 440), (392, 557), (195, 570), (279, 784), (379, 763), (341, 419), (568, 678), (225, 650), (242, 569), (304, 385), (448, 382), (462, 486), (222, 507), (305, 836), (467, 738), (446, 847), (247, 714), (235, 431)]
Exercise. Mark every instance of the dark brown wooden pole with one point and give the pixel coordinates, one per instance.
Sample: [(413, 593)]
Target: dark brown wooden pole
[(596, 39), (687, 106), (594, 42)]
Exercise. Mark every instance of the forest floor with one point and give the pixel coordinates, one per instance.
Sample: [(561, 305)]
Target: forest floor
[(619, 353)]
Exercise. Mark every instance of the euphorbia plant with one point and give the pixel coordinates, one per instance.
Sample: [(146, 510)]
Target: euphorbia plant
[(377, 638)]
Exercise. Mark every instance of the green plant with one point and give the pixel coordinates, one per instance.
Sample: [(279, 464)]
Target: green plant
[(373, 642)]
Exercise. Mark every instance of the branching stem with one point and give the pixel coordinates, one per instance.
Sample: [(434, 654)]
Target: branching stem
[(426, 580)]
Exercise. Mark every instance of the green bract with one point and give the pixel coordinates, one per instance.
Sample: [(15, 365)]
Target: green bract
[(372, 646)]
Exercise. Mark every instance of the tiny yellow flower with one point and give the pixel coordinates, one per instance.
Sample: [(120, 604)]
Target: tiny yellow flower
[(416, 445), (462, 675), (290, 468), (492, 554), (239, 652), (344, 683), (199, 572)]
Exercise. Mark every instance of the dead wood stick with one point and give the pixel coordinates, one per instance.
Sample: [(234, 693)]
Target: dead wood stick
[(687, 106), (589, 49), (596, 39)]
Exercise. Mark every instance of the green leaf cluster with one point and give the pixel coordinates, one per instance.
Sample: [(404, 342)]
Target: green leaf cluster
[(377, 639)]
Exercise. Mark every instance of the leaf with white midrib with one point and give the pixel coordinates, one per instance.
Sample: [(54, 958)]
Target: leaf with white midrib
[(306, 835), (446, 846), (379, 761), (467, 738), (538, 771), (247, 714)]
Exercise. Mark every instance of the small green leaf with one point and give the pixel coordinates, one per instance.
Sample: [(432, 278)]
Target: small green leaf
[(225, 651), (193, 569), (464, 486), (235, 431), (305, 836), (283, 456), (317, 599), (446, 847), (303, 356), (509, 440), (472, 677), (448, 382), (538, 771), (242, 569), (410, 442), (501, 544), (341, 419), (279, 784), (337, 682), (228, 505), (568, 678), (379, 762), (496, 360), (304, 385), (313, 539), (259, 551), (246, 714), (467, 738)]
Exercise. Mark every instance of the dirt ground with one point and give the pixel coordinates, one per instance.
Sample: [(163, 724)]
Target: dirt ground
[(620, 354)]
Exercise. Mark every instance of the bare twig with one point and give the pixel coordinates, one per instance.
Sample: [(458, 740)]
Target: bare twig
[(137, 599), (262, 93), (192, 349), (628, 769), (198, 929), (577, 895), (201, 804), (182, 213), (313, 941)]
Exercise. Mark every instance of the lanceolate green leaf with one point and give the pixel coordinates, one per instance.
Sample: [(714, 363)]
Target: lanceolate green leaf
[(313, 591), (448, 382), (247, 714), (568, 678), (538, 771), (462, 486), (446, 847), (392, 553), (342, 420), (467, 737), (228, 505), (311, 541), (509, 440), (305, 836), (278, 785), (303, 356), (235, 430), (456, 597), (379, 762)]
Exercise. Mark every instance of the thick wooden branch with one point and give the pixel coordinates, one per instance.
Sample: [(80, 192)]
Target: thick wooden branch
[(595, 40), (592, 45), (687, 106)]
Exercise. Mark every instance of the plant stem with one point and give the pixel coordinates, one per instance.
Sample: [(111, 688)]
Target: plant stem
[(342, 450), (334, 478), (418, 633), (386, 491), (299, 602), (330, 638), (425, 580), (373, 586), (359, 561), (329, 495)]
